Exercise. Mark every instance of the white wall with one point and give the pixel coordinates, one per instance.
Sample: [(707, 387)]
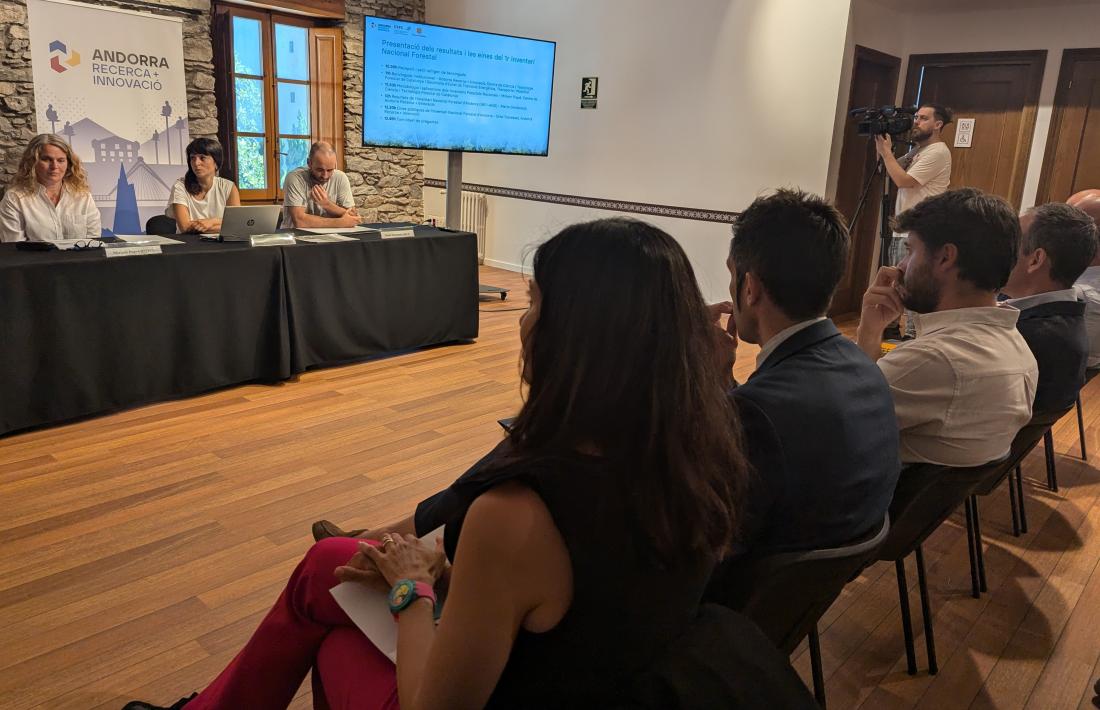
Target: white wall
[(701, 104)]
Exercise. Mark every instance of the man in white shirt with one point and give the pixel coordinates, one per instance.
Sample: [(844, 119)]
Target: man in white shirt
[(1088, 285), (966, 384), (319, 195)]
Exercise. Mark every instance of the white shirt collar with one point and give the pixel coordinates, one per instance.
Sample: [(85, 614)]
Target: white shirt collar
[(776, 340), (1038, 299), (1002, 315)]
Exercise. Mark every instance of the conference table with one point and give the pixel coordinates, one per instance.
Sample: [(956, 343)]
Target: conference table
[(82, 334)]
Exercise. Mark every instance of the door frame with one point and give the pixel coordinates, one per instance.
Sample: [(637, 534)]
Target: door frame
[(1069, 57), (863, 252), (1035, 59)]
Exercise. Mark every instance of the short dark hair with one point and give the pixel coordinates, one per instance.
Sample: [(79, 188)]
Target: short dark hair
[(941, 112), (796, 244), (1067, 235), (984, 228), (201, 146)]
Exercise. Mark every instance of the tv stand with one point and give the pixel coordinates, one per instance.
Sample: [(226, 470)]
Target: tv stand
[(454, 209)]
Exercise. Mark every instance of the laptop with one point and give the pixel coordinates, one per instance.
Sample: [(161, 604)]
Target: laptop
[(241, 223)]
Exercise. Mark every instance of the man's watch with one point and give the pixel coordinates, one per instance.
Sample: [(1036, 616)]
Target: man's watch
[(406, 591)]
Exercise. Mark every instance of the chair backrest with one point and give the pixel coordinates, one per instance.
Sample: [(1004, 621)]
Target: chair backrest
[(926, 495), (160, 224), (722, 660), (786, 593), (1026, 439)]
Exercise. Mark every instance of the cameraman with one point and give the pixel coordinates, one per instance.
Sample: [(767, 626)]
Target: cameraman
[(922, 172)]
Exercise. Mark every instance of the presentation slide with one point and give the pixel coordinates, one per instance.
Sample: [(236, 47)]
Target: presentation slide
[(440, 88)]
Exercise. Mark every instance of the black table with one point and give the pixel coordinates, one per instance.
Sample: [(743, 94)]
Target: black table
[(81, 334)]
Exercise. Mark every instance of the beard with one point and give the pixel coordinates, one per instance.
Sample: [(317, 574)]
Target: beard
[(919, 292), (918, 135)]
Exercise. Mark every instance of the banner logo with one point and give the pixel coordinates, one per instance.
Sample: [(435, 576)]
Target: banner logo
[(61, 60)]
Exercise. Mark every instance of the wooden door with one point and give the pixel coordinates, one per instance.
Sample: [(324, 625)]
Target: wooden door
[(1072, 160), (874, 83), (1000, 91)]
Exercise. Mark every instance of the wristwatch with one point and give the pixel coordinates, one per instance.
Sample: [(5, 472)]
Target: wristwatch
[(406, 591)]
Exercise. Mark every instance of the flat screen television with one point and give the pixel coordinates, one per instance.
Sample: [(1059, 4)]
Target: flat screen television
[(440, 88)]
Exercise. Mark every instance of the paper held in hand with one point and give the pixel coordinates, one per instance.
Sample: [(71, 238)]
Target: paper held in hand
[(369, 609)]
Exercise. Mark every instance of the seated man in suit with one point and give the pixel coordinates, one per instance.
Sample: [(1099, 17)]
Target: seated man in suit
[(1088, 284), (965, 385), (1058, 243), (818, 398)]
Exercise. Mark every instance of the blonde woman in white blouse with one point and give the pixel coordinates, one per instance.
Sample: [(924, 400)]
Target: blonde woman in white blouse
[(49, 198), (200, 197)]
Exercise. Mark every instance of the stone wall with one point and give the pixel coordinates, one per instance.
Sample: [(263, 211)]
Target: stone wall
[(387, 183)]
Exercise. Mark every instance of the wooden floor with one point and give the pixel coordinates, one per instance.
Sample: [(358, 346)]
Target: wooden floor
[(137, 551)]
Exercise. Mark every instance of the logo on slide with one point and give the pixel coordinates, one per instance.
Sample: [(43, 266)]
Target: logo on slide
[(61, 59)]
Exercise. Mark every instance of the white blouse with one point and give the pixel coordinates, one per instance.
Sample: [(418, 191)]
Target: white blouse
[(209, 207), (35, 218)]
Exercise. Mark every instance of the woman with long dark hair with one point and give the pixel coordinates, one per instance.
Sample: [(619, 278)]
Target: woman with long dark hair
[(200, 197), (581, 546)]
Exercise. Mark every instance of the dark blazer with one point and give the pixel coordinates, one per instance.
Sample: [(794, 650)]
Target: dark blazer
[(1056, 334), (822, 436)]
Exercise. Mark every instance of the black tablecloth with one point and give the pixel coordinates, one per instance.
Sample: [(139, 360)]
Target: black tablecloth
[(81, 334)]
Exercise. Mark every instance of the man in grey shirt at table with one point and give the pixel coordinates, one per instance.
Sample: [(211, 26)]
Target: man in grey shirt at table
[(318, 195)]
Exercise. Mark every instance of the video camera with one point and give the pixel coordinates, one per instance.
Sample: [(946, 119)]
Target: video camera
[(893, 120)]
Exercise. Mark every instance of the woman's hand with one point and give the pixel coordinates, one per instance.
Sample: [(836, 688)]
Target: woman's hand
[(405, 557), (362, 570)]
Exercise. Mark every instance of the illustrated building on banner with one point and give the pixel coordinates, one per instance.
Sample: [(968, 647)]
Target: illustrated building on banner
[(111, 83)]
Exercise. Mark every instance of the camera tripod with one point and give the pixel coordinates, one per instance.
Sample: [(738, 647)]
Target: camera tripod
[(885, 234)]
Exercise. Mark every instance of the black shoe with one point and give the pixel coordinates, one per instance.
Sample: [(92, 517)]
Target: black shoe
[(324, 529), (140, 705)]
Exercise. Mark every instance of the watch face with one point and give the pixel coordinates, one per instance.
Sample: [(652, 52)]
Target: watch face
[(400, 594)]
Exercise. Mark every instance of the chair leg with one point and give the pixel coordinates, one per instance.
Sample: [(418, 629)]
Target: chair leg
[(974, 587), (1019, 483), (815, 667), (979, 548), (1081, 430), (926, 612), (1012, 504), (1052, 474), (906, 618)]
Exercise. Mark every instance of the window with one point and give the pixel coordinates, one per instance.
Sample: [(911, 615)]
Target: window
[(268, 102)]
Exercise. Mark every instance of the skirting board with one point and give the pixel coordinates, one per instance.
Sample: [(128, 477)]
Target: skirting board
[(507, 266)]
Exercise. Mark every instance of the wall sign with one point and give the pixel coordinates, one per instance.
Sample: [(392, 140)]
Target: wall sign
[(590, 86), (964, 133)]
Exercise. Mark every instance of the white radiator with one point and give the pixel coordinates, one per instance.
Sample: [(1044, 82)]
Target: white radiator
[(475, 212)]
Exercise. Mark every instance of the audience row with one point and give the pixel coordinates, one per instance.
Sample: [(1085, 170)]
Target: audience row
[(50, 199), (577, 552)]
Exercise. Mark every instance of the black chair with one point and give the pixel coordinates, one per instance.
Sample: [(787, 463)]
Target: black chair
[(722, 660), (160, 224), (786, 593), (1089, 374), (926, 495), (1038, 429)]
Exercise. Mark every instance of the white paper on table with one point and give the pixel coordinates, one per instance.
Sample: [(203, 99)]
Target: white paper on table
[(335, 230), (369, 609), (147, 239), (323, 238)]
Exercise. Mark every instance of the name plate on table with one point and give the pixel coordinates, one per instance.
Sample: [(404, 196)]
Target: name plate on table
[(131, 251), (395, 233), (272, 240)]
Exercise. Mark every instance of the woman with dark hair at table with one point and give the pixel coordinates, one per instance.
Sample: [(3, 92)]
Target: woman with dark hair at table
[(584, 542), (49, 198), (200, 197)]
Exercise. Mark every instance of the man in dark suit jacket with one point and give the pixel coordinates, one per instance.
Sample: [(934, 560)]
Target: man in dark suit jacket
[(1058, 244), (818, 415)]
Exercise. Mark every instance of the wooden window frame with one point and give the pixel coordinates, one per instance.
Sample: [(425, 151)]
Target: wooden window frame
[(225, 96)]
